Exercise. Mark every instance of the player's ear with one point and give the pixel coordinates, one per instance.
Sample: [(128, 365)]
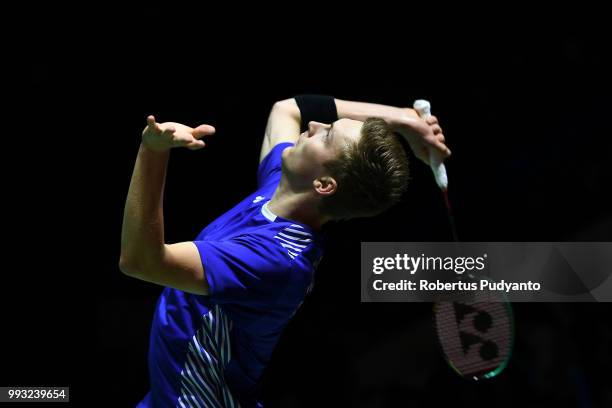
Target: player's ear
[(325, 185)]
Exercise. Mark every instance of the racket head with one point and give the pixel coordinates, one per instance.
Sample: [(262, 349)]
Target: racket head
[(475, 335)]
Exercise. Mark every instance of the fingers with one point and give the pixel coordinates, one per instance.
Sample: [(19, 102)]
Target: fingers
[(151, 123), (203, 130), (177, 139), (198, 132), (177, 135), (445, 151), (441, 143), (440, 139), (440, 146), (169, 132), (185, 139), (195, 145), (436, 129)]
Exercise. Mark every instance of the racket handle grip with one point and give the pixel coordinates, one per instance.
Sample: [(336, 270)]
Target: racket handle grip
[(423, 108)]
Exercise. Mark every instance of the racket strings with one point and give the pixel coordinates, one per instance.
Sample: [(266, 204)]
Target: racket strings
[(474, 337)]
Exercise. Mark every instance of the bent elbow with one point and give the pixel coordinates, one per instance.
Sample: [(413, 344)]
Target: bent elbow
[(287, 107), (127, 266)]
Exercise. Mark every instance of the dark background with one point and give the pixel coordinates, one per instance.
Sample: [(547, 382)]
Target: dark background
[(525, 110)]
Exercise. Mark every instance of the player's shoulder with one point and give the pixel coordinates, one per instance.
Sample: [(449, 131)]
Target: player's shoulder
[(276, 237), (294, 240)]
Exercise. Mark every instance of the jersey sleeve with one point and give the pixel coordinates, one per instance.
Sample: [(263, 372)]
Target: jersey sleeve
[(245, 271), (269, 170)]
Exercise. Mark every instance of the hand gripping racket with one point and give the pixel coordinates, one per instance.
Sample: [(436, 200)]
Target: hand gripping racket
[(476, 334)]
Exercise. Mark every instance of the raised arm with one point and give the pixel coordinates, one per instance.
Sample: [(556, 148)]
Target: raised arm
[(422, 135), (287, 119), (290, 117), (363, 110), (283, 126), (144, 253)]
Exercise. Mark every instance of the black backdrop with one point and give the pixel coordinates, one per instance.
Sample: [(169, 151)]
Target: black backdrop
[(525, 113)]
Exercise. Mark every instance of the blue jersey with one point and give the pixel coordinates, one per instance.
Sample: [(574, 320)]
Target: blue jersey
[(210, 351)]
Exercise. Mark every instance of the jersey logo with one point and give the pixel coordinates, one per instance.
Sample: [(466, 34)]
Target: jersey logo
[(258, 199), (294, 239)]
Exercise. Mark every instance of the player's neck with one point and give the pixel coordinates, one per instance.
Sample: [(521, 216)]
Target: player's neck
[(300, 207)]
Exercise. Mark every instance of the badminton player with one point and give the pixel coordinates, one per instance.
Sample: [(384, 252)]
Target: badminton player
[(230, 292)]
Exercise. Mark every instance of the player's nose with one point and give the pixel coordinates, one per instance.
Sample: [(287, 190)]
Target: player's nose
[(313, 127)]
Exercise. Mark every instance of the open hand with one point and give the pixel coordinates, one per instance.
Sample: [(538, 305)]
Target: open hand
[(164, 136)]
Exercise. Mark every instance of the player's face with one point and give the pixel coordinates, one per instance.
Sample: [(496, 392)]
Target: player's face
[(320, 144)]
